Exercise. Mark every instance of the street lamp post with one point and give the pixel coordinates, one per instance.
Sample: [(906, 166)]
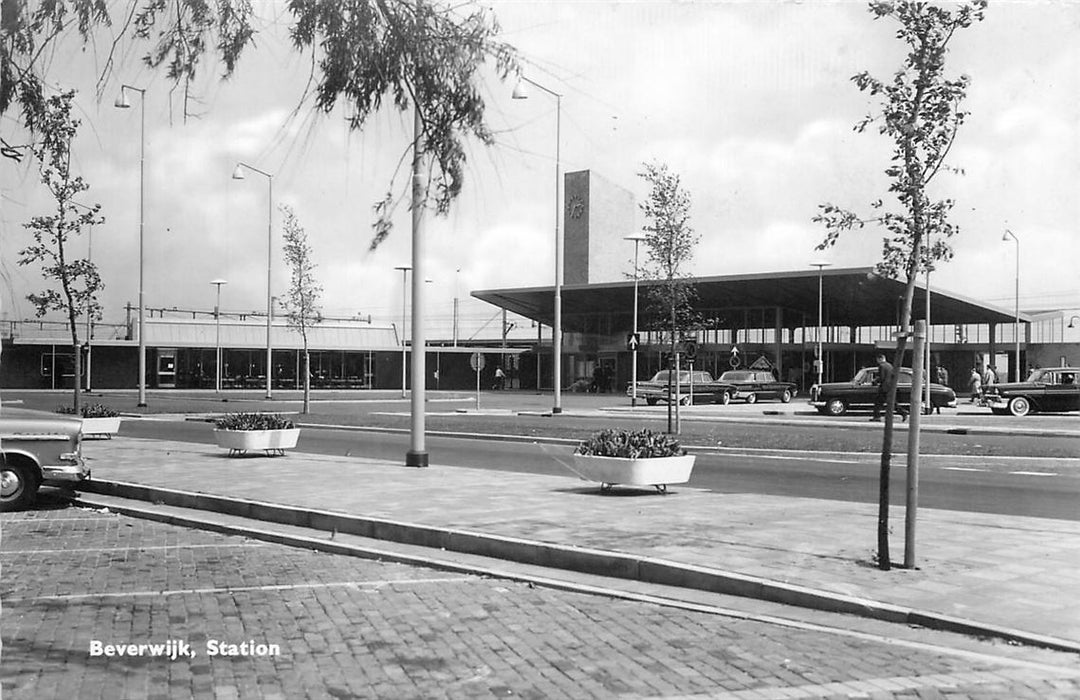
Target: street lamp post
[(217, 335), (404, 319), (238, 174), (1016, 328), (637, 239), (820, 362), (520, 93), (122, 103)]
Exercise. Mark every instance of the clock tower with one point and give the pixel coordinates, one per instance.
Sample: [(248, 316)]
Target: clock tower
[(597, 215)]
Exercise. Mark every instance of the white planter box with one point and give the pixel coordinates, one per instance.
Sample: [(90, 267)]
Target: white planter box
[(101, 427), (655, 471), (270, 441)]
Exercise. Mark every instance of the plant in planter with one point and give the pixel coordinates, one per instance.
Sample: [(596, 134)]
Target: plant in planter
[(640, 457), (241, 432), (98, 420)]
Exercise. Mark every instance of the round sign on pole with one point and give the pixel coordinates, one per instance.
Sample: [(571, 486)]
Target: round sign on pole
[(477, 361)]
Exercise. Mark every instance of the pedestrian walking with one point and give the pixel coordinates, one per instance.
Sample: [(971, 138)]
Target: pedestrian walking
[(500, 378), (886, 377), (975, 385)]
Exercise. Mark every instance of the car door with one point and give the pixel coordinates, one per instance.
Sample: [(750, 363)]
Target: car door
[(765, 386), (1062, 392)]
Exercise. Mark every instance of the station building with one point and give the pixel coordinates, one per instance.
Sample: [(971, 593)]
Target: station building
[(761, 319)]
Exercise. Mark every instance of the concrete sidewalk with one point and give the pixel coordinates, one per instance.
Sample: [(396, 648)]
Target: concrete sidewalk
[(998, 573)]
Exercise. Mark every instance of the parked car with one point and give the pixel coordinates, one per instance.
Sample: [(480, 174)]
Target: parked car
[(36, 450), (837, 398), (751, 385), (699, 385), (1052, 389)]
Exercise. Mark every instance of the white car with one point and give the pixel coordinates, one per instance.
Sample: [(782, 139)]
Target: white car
[(36, 450)]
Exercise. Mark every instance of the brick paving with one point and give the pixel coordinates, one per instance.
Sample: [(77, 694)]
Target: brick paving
[(351, 628), (1014, 572)]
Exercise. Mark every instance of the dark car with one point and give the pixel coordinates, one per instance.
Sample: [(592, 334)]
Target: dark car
[(36, 450), (694, 387), (1054, 389), (751, 385), (837, 398)]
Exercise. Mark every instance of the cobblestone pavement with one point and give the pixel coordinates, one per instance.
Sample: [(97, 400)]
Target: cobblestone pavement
[(311, 625)]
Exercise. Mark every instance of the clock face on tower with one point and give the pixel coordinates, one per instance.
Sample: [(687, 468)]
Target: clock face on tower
[(575, 207)]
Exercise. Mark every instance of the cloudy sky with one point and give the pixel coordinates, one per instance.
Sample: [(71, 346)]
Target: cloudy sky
[(750, 102)]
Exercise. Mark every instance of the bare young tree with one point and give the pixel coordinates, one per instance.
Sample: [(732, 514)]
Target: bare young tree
[(302, 308), (77, 278), (671, 296), (920, 111)]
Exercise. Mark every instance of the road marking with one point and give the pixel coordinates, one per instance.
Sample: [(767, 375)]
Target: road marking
[(1034, 473), (128, 549), (963, 469), (243, 589)]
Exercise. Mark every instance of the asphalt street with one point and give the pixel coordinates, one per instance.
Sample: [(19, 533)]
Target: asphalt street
[(99, 605)]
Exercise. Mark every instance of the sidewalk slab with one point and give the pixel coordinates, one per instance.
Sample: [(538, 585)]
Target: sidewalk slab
[(1000, 571)]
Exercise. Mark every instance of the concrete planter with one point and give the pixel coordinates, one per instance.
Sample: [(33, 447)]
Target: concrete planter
[(654, 471), (272, 442), (101, 427)]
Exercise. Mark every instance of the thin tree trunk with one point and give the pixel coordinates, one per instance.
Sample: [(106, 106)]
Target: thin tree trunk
[(307, 380)]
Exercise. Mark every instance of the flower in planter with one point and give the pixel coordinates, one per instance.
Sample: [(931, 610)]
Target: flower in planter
[(636, 444), (94, 410), (253, 421)]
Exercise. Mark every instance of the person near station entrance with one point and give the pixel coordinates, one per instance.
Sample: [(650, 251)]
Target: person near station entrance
[(975, 385), (500, 378), (886, 377)]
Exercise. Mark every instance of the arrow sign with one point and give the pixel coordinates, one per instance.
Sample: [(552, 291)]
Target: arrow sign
[(632, 341), (735, 350)]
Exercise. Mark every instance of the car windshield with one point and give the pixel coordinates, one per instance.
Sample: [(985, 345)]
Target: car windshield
[(868, 375), (736, 377)]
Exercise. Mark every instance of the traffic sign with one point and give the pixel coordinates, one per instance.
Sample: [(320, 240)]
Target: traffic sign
[(477, 361), (690, 349), (632, 341)]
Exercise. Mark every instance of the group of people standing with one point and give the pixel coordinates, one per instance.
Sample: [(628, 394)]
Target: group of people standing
[(979, 382)]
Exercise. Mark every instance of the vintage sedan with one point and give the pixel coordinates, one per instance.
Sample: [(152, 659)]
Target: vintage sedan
[(694, 387), (837, 398), (1053, 389), (36, 450), (751, 385)]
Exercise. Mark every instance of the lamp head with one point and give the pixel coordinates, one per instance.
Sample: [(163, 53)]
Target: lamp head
[(218, 282), (238, 172), (521, 91), (121, 100), (1009, 234)]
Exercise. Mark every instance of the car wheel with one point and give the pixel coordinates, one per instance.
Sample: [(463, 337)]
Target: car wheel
[(18, 487), (786, 396), (836, 407), (1019, 406), (751, 398), (725, 398), (650, 401)]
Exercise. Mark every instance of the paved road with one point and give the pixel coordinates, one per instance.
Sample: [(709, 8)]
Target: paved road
[(310, 625), (1046, 487)]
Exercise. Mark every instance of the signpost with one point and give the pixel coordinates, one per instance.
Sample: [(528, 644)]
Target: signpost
[(477, 362)]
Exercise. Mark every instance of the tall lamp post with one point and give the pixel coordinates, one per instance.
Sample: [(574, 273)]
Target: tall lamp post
[(238, 174), (820, 361), (404, 319), (217, 335), (1016, 328), (122, 103), (637, 238), (521, 93)]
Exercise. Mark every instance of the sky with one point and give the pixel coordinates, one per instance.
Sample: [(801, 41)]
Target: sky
[(749, 102)]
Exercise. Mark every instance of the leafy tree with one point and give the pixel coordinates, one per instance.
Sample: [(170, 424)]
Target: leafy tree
[(77, 278), (920, 111), (420, 54), (302, 307), (670, 297)]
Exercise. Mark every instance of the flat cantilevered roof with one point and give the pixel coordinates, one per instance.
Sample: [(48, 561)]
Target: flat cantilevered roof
[(856, 297)]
